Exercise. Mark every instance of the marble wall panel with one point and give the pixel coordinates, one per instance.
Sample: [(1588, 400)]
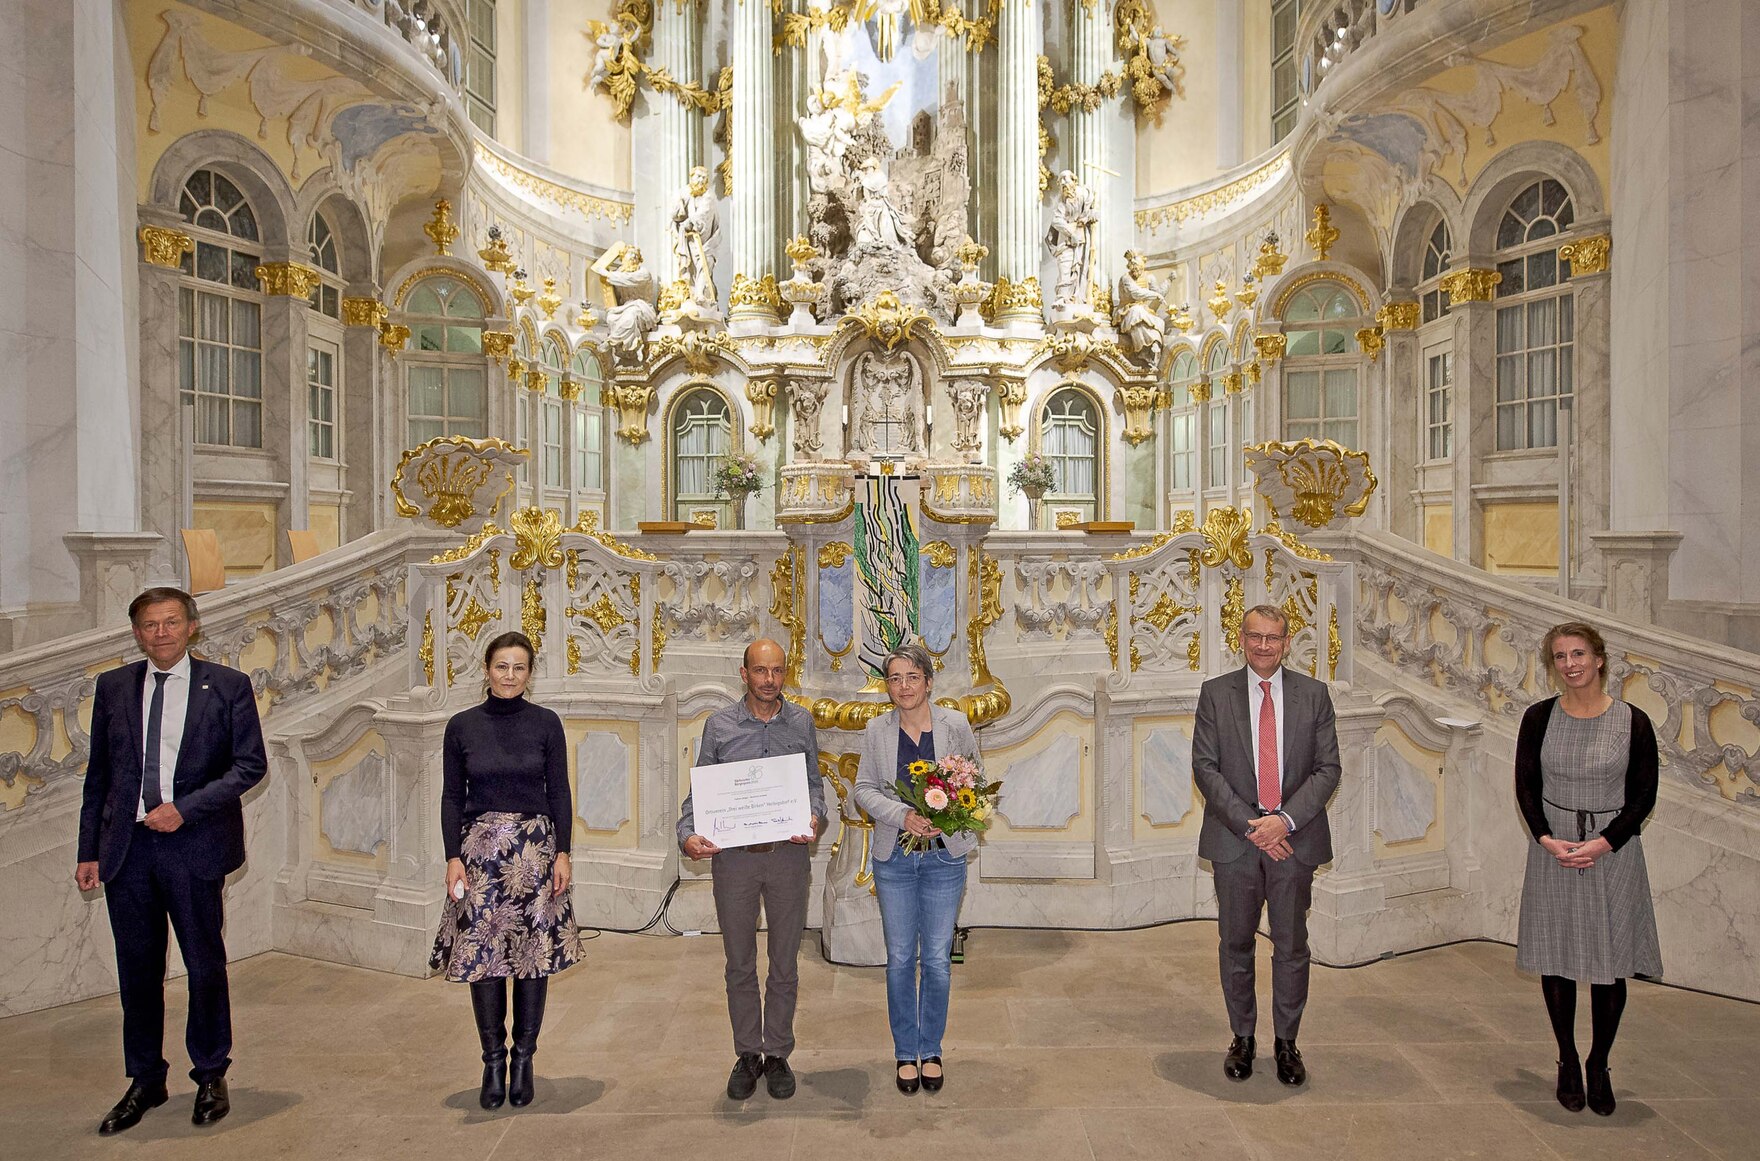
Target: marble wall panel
[(1405, 799), (602, 777), (936, 616), (352, 807), (1166, 776), (1043, 791), (837, 604)]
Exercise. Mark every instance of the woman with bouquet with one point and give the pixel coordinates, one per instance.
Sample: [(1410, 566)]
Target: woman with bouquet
[(919, 768)]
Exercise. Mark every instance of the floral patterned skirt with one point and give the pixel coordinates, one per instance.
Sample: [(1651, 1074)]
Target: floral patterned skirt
[(510, 922)]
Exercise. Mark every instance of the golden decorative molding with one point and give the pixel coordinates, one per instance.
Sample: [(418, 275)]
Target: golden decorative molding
[(939, 554), (700, 351), (1471, 285), (1220, 303), (536, 381), (1399, 316), (1269, 262), (1313, 276), (469, 547), (887, 321), (1204, 204), (287, 279), (755, 294), (1016, 298), (1371, 342), (833, 555), (588, 525), (161, 246), (1313, 481), (761, 394), (549, 300), (569, 388), (1200, 390), (440, 229), (364, 312), (468, 277), (1588, 255), (457, 478), (1232, 383), (496, 257), (538, 538), (1254, 374), (585, 204), (392, 336), (1271, 347), (1226, 531), (1323, 233)]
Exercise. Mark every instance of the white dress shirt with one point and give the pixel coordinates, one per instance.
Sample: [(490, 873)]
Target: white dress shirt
[(171, 717), (1255, 699)]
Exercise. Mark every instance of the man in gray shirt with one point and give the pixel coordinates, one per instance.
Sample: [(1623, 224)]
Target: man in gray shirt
[(762, 724)]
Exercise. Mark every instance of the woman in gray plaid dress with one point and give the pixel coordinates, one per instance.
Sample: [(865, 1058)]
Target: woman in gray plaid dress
[(1585, 780)]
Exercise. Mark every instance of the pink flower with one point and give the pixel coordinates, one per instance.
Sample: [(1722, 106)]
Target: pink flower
[(935, 798)]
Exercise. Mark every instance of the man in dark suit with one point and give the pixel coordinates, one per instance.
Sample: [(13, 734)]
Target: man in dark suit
[(161, 827), (1265, 757)]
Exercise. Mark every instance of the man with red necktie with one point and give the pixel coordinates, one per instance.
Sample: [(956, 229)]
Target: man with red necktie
[(1265, 757)]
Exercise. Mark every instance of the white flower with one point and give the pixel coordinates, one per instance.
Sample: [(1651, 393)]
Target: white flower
[(935, 798)]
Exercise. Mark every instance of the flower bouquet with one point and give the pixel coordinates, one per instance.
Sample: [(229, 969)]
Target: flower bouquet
[(1032, 475), (737, 475), (951, 793)]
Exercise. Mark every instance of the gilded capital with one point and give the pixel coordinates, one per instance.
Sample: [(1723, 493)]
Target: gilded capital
[(497, 344), (289, 279), (1398, 316), (392, 336), (1588, 255), (1371, 341), (1201, 391), (1232, 383), (165, 247), (1471, 285), (1271, 347), (364, 312)]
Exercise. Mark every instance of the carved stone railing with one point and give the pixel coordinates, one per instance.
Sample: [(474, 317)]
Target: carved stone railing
[(1329, 33), (1476, 639), (295, 632), (433, 29)]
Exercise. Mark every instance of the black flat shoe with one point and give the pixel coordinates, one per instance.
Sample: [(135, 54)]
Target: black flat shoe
[(742, 1082), (212, 1103), (1570, 1085), (908, 1085), (1290, 1069), (1600, 1085), (933, 1083), (1238, 1064), (132, 1107), (778, 1078)]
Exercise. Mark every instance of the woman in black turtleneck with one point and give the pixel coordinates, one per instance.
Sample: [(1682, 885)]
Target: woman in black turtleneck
[(506, 818)]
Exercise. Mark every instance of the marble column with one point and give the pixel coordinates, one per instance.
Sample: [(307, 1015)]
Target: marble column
[(366, 422), (755, 241), (71, 440), (165, 457), (1019, 224), (1591, 466), (1398, 451), (668, 136), (1094, 138), (286, 405), (1475, 420)]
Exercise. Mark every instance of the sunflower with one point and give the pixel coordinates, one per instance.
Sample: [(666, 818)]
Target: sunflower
[(967, 799), (921, 768)]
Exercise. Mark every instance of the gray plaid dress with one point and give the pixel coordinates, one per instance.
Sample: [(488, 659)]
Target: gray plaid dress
[(1595, 925)]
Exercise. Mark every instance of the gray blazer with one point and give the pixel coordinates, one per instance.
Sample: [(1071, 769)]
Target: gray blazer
[(1222, 765), (876, 791)]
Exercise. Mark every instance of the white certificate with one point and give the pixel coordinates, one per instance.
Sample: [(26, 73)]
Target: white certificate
[(759, 800)]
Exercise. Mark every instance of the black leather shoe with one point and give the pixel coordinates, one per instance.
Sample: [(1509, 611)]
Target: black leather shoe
[(909, 1085), (1290, 1069), (132, 1107), (933, 1083), (1570, 1085), (742, 1082), (778, 1077), (1238, 1064), (1600, 1085), (519, 1079), (212, 1103)]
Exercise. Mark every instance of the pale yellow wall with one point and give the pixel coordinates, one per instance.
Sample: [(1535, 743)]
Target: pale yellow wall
[(326, 772), (586, 141), (1181, 151), (630, 733), (1521, 539), (1429, 762), (1439, 529), (247, 534), (325, 520), (1255, 78), (510, 71)]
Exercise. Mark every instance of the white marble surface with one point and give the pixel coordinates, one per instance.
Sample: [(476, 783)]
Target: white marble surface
[(1043, 791), (1405, 799), (1167, 775), (602, 774), (353, 807)]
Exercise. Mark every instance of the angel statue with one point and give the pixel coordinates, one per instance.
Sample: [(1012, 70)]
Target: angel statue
[(1140, 306), (1071, 239), (630, 315), (827, 131)]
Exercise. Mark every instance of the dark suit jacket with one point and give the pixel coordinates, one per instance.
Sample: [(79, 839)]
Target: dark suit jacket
[(221, 757), (1223, 745)]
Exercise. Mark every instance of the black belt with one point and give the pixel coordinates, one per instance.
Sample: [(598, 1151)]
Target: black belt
[(1583, 816), (936, 843)]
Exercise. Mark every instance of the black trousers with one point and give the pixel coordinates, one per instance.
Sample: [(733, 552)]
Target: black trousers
[(153, 889)]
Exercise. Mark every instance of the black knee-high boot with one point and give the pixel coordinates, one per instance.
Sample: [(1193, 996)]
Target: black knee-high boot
[(489, 1001), (528, 1017), (1561, 1006), (1606, 1004)]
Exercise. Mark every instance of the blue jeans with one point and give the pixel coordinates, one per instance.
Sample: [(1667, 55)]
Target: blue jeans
[(919, 902)]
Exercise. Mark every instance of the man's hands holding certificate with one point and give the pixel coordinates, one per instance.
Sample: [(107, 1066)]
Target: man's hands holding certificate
[(698, 847)]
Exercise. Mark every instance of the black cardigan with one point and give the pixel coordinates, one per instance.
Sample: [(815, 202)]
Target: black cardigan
[(1641, 774)]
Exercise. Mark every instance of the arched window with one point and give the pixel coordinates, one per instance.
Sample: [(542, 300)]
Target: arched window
[(1182, 424), (321, 246), (219, 313), (702, 433), (1436, 258), (1320, 376), (1069, 437), (1536, 317), (479, 69), (1216, 419), (552, 452), (589, 424), (448, 392)]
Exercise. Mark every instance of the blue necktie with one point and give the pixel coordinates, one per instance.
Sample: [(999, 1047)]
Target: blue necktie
[(150, 792)]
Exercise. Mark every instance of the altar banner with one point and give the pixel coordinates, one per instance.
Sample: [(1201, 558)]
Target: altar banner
[(887, 585)]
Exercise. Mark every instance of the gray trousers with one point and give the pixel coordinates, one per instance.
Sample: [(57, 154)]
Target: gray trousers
[(1284, 889), (778, 879)]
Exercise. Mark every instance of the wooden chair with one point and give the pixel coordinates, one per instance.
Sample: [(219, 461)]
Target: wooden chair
[(302, 544), (207, 571)]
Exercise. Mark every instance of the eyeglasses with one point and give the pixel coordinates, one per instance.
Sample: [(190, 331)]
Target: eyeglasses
[(905, 679), (1263, 638)]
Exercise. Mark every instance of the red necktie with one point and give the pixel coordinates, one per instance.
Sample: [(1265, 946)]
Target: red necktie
[(1270, 785)]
